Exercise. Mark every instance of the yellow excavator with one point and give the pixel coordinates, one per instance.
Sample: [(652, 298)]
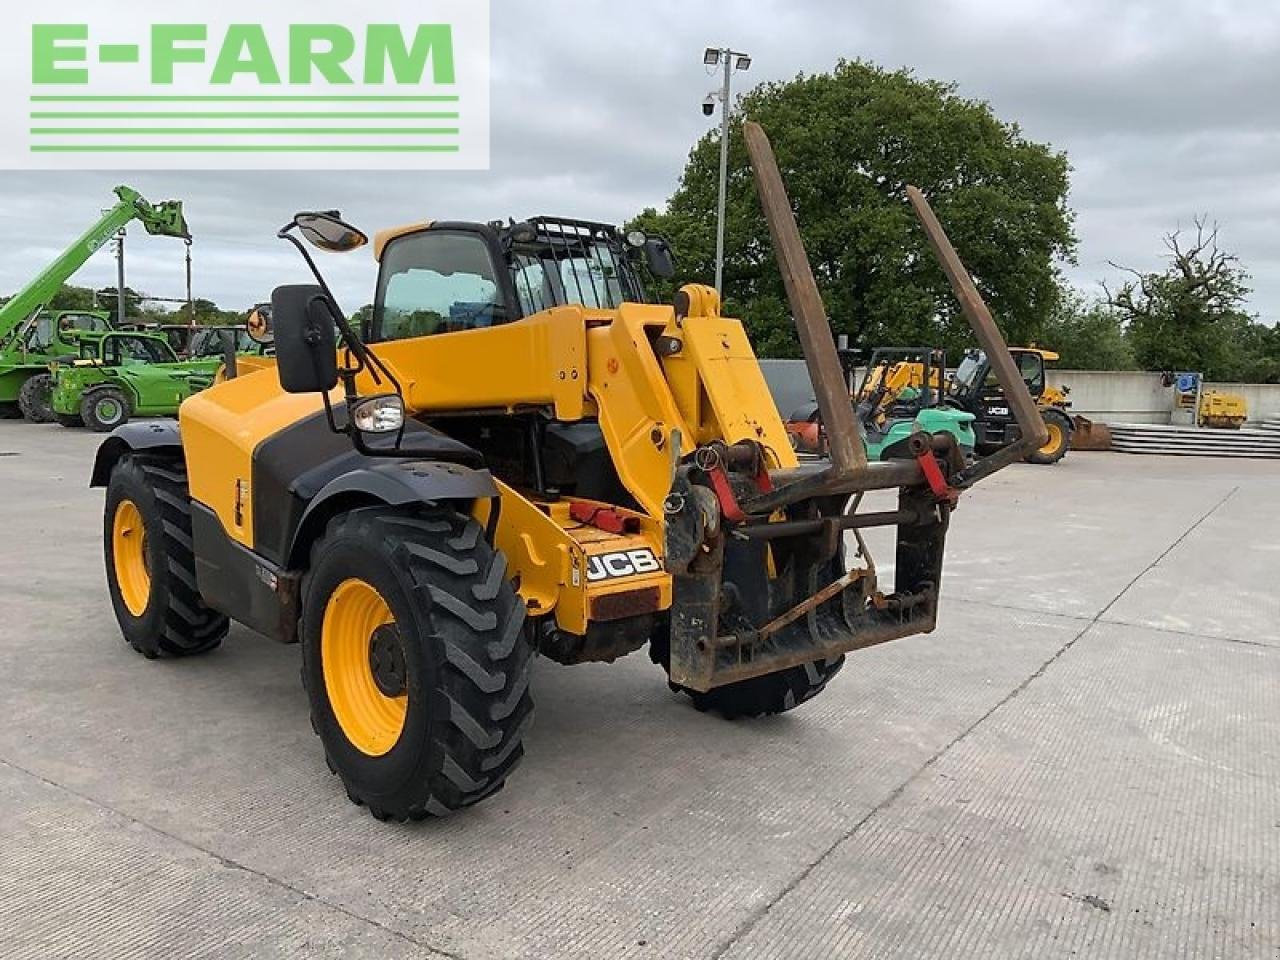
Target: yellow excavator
[(518, 453)]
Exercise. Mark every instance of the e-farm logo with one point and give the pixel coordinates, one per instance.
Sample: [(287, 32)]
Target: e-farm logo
[(248, 85)]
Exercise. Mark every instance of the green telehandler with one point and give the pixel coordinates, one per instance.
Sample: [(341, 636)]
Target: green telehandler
[(31, 336), (121, 374)]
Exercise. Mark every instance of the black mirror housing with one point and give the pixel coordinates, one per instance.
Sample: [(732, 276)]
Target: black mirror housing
[(306, 339), (657, 254)]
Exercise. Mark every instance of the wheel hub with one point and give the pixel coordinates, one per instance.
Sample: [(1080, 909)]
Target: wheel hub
[(386, 661)]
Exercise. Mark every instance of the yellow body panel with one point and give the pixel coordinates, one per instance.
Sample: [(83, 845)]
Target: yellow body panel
[(221, 427), (244, 366), (551, 553), (721, 386), (539, 361), (1218, 409), (383, 237)]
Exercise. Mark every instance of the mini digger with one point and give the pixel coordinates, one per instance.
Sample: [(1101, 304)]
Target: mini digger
[(516, 454)]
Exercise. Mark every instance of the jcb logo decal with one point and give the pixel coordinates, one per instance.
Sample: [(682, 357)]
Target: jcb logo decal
[(628, 563)]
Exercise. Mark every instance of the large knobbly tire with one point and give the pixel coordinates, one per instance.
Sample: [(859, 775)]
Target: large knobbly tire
[(148, 517), (1059, 442), (35, 399), (759, 696), (105, 408), (415, 660)]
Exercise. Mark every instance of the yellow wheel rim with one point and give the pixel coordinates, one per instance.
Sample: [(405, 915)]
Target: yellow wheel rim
[(129, 554), (371, 720), (1054, 441)]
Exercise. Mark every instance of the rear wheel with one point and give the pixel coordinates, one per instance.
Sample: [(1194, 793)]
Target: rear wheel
[(760, 696), (414, 660), (150, 565), (35, 399), (105, 408), (1059, 442)]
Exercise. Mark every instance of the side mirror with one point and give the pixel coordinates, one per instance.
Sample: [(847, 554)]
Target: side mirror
[(306, 339), (258, 324), (327, 230), (657, 254)]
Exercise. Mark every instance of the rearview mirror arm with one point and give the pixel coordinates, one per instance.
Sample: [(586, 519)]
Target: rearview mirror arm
[(357, 346)]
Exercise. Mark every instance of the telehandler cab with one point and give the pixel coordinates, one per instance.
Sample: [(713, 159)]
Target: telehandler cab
[(517, 454)]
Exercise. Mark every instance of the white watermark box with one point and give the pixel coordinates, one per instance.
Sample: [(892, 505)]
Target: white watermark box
[(243, 84)]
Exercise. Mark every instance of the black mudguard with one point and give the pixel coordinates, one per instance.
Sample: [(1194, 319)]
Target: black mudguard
[(161, 436), (395, 483)]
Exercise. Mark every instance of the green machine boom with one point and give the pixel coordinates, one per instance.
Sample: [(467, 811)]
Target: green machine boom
[(24, 357)]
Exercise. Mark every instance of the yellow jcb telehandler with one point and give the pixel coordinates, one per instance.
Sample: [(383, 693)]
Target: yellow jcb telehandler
[(517, 454)]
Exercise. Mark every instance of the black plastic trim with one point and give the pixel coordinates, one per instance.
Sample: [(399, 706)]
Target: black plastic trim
[(131, 437)]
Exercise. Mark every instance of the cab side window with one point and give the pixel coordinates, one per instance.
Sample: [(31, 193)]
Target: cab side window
[(41, 334), (1031, 369), (436, 282), (124, 350)]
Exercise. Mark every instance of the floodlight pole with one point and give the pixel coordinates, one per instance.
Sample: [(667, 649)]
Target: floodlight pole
[(724, 171), (726, 58), (121, 303)]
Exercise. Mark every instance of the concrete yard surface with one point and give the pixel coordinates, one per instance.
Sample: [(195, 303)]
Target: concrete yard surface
[(1082, 761)]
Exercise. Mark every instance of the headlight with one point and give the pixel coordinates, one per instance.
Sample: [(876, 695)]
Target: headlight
[(383, 414), (637, 239)]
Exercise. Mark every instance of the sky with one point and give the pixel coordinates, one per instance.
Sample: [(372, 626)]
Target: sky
[(1167, 110)]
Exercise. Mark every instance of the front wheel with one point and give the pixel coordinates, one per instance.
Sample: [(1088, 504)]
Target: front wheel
[(1059, 442), (415, 660), (105, 408), (151, 569), (760, 696), (35, 399)]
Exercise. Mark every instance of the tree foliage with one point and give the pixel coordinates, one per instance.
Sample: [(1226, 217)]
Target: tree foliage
[(1088, 334), (848, 142), (139, 308), (1192, 315)]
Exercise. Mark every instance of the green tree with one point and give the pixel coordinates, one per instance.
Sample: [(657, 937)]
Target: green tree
[(71, 297), (1088, 334), (848, 142), (1191, 315)]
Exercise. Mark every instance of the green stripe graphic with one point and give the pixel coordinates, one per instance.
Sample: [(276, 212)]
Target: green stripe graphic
[(236, 131), (245, 148), (237, 115), (264, 98)]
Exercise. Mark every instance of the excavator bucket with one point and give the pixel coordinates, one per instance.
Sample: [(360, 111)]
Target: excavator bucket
[(1089, 434), (761, 581)]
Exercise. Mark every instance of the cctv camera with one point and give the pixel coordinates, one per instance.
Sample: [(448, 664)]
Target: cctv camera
[(708, 106)]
